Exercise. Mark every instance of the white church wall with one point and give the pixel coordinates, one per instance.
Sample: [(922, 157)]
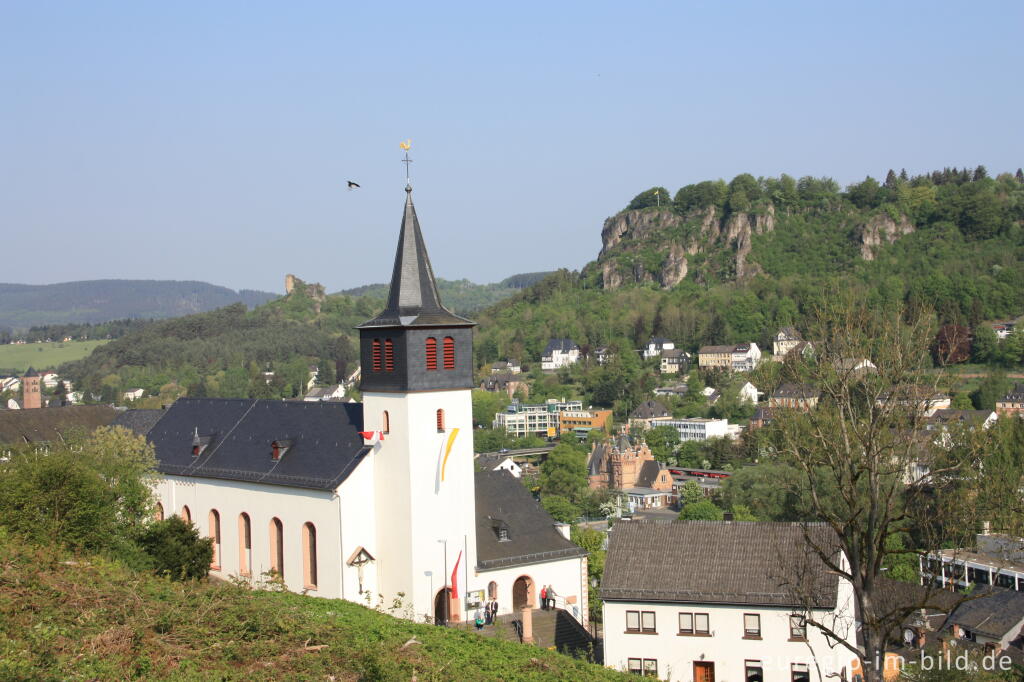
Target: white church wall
[(293, 506), (566, 576), (359, 529)]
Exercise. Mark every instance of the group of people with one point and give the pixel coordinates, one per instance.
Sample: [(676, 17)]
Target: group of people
[(547, 597), (485, 616)]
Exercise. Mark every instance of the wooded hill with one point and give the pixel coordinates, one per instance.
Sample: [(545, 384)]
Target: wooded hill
[(729, 262), (26, 305), (462, 296), (720, 263)]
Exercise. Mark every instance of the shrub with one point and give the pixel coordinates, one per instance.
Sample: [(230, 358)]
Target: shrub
[(176, 549)]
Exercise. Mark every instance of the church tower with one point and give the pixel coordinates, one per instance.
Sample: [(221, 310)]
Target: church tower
[(417, 374)]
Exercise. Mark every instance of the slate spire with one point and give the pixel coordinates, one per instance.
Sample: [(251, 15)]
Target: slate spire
[(413, 299)]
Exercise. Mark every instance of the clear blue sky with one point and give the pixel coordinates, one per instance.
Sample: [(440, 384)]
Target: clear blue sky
[(212, 140)]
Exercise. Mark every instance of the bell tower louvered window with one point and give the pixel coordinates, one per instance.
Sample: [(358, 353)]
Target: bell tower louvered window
[(449, 352), (376, 355), (389, 355), (431, 353), (440, 420)]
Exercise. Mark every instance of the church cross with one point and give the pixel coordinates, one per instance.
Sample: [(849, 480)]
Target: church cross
[(406, 161)]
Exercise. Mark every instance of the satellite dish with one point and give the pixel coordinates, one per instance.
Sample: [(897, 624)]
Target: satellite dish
[(908, 635)]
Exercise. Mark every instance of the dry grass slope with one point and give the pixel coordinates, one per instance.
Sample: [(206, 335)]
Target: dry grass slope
[(76, 618)]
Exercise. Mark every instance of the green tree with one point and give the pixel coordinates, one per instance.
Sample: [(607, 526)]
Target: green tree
[(705, 510), (486, 405), (88, 492), (993, 387), (564, 472), (176, 549), (691, 493), (561, 508), (653, 197), (984, 344), (662, 440), (742, 513)]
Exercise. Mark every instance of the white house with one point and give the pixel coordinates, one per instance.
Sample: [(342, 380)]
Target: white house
[(747, 393), (698, 428), (704, 600), (335, 392), (133, 394), (49, 379), (373, 502), (656, 345), (785, 340), (509, 366), (542, 419), (745, 357), (499, 462), (559, 353)]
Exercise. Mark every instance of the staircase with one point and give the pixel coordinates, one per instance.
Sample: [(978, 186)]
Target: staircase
[(553, 629)]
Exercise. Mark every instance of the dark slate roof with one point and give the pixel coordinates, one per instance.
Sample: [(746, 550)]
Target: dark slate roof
[(50, 424), (991, 611), (648, 474), (31, 372), (138, 421), (564, 345), (325, 442), (649, 409), (802, 391), (705, 350), (789, 333), (595, 465), (502, 501), (964, 416), (717, 562), (413, 300), (675, 353), (1015, 395)]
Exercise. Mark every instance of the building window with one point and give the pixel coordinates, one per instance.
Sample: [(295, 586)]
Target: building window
[(801, 673), (753, 671), (158, 512), (389, 355), (640, 621), (385, 425), (376, 355), (694, 624), (215, 536), (186, 514), (277, 547), (797, 628), (440, 420), (431, 353), (650, 667), (449, 352), (635, 666), (244, 544), (503, 535), (751, 626), (309, 555), (492, 590)]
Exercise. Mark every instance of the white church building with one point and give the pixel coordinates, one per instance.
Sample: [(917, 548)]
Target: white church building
[(373, 502)]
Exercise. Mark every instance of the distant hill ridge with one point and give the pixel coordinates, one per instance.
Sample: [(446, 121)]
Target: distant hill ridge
[(26, 305), (462, 295)]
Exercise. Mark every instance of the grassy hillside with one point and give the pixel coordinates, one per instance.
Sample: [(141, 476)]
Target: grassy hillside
[(25, 305), (78, 618), (16, 358)]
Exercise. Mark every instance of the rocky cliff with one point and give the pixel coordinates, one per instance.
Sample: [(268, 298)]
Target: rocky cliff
[(659, 246)]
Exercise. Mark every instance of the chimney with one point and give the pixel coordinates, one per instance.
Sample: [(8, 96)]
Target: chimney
[(727, 516)]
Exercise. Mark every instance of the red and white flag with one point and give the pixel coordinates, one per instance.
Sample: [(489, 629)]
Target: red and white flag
[(372, 437)]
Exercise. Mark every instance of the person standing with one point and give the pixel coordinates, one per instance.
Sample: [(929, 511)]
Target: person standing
[(544, 597), (551, 597)]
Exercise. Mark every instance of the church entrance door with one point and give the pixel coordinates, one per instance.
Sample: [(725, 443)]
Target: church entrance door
[(441, 602), (522, 593)]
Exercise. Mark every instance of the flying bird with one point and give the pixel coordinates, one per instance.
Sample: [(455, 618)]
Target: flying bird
[(352, 185)]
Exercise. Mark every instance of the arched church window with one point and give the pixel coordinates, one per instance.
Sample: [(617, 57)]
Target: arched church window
[(309, 555), (158, 513), (215, 536), (431, 353), (389, 355), (244, 544), (376, 359), (385, 425), (186, 514), (440, 420), (492, 590), (449, 352), (277, 547)]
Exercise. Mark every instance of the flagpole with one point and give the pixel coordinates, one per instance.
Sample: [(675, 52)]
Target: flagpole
[(465, 571)]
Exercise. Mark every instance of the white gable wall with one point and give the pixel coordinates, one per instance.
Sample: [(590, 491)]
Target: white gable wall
[(568, 577)]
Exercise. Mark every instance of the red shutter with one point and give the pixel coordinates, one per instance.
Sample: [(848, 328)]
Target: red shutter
[(449, 352), (431, 353), (389, 356), (376, 355)]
